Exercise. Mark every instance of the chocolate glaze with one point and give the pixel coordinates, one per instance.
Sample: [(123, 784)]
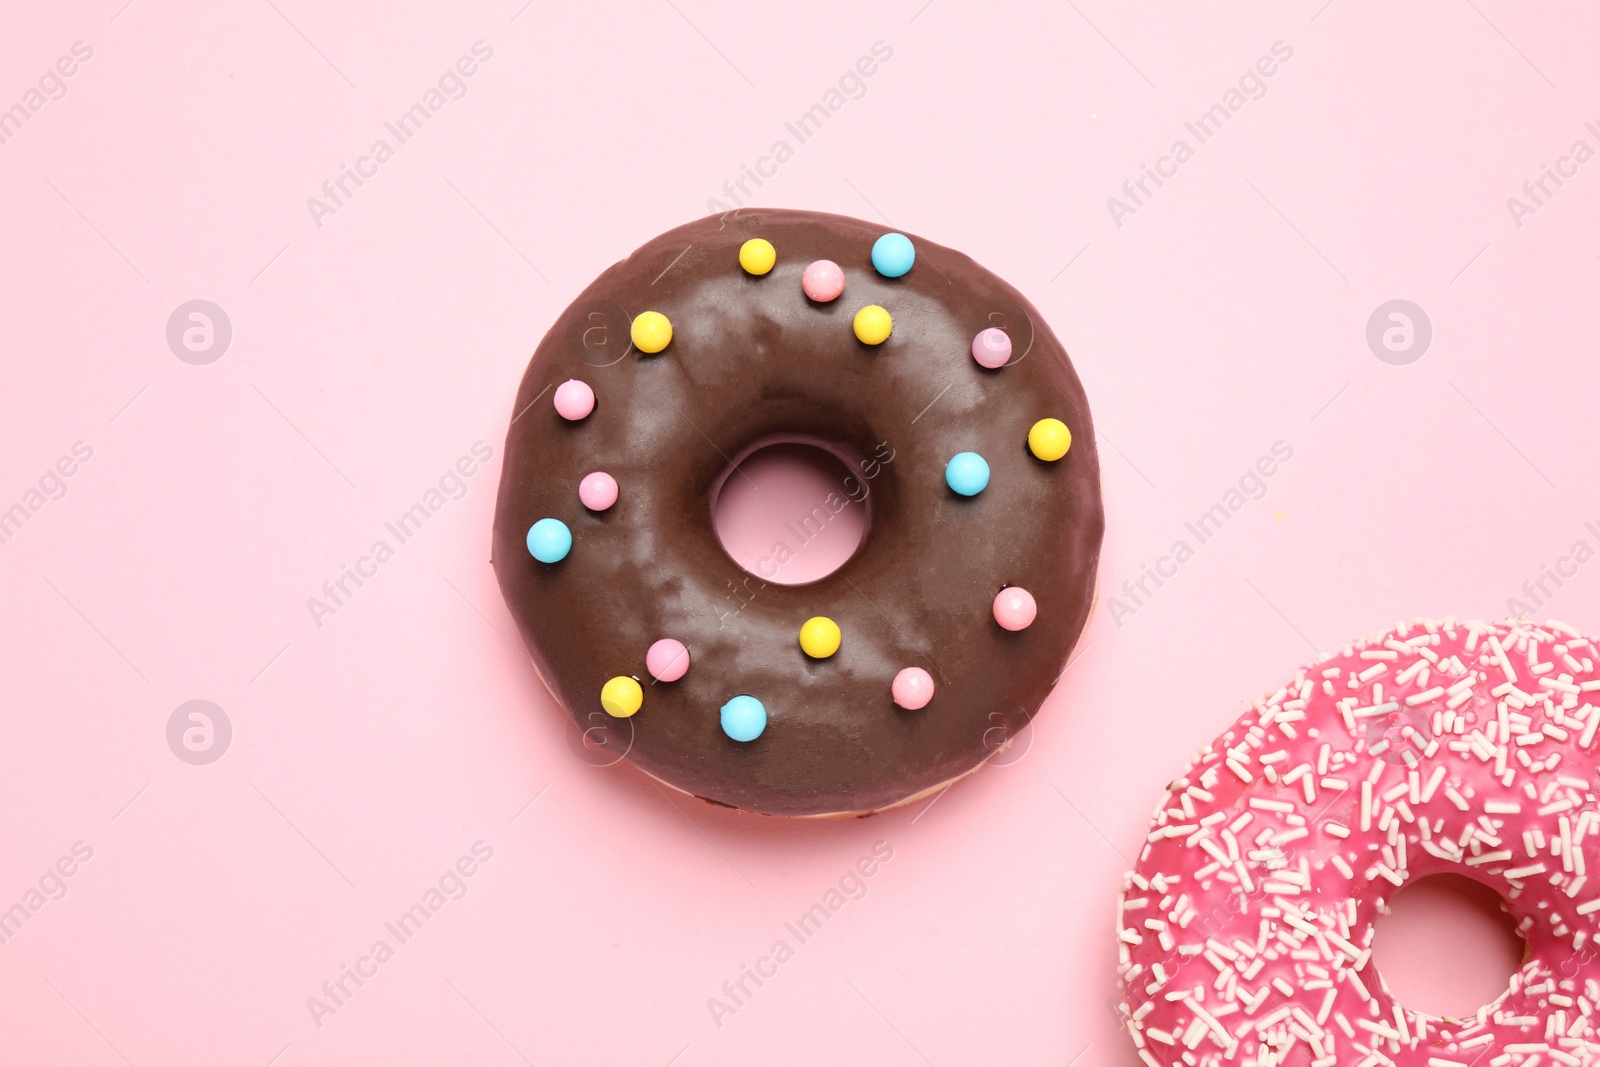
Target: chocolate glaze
[(753, 360)]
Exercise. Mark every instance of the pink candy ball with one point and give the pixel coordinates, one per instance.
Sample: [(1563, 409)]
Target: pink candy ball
[(912, 688), (667, 660), (598, 491), (574, 400), (823, 281), (1014, 608), (991, 348)]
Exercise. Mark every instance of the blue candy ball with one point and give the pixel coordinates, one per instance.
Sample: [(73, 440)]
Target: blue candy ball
[(893, 254), (743, 718), (549, 540), (967, 473)]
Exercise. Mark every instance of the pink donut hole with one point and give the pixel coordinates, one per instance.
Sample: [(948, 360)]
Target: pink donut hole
[(1014, 608), (823, 280), (598, 491), (992, 347), (667, 660), (574, 400), (912, 688)]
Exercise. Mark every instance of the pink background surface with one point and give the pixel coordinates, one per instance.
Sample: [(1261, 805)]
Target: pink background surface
[(368, 353)]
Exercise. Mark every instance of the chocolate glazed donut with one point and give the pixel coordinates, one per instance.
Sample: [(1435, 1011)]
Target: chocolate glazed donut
[(753, 360)]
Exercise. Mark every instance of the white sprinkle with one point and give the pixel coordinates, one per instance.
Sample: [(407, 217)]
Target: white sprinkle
[(1327, 1006), (1488, 857), (1524, 872), (1500, 657)]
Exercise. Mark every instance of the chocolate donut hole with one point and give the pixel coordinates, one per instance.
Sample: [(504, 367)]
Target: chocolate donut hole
[(792, 511)]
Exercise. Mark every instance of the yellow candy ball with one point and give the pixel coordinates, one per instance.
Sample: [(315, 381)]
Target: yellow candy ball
[(621, 697), (873, 325), (819, 637), (651, 332), (757, 256), (1049, 439)]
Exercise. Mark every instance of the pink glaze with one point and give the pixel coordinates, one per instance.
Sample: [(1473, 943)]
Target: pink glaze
[(667, 660), (991, 348), (1014, 608), (1246, 927), (597, 491), (823, 281), (912, 688), (574, 400)]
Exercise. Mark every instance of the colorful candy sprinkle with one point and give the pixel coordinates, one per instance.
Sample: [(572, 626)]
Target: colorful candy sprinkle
[(1049, 439), (893, 255), (912, 688), (574, 400), (651, 332), (757, 256), (873, 325), (823, 280), (597, 491), (621, 697), (819, 637), (743, 718), (667, 660), (1014, 608), (967, 473), (992, 347), (549, 540)]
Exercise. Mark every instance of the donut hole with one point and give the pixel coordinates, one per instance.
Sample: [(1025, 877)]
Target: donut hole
[(1447, 946), (791, 512)]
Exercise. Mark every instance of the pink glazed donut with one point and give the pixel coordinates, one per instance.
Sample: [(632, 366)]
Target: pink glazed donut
[(1443, 746)]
